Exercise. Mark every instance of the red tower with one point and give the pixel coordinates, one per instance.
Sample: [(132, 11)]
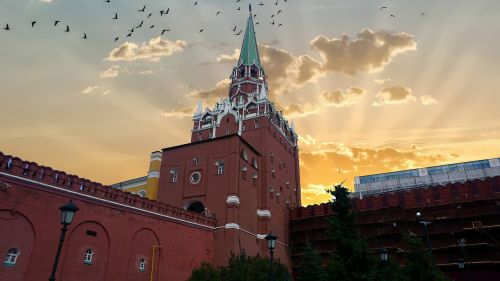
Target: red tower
[(242, 164)]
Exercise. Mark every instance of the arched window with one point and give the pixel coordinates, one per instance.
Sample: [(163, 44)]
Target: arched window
[(11, 257), (87, 257), (220, 167), (244, 155), (195, 206), (142, 193), (142, 265), (254, 163)]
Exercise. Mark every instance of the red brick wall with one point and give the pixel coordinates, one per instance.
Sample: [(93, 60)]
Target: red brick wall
[(122, 234)]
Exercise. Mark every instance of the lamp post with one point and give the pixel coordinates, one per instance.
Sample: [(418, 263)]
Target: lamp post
[(67, 214), (429, 245), (462, 264), (271, 245), (383, 253)]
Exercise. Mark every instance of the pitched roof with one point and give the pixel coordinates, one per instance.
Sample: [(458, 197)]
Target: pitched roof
[(249, 52)]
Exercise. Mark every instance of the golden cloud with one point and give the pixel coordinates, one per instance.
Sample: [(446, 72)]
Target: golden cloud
[(229, 58), (394, 95), (370, 51), (341, 98), (328, 163), (153, 50), (299, 110), (111, 72), (220, 90), (427, 100)]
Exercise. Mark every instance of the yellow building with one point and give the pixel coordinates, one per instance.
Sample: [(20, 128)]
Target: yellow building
[(145, 186)]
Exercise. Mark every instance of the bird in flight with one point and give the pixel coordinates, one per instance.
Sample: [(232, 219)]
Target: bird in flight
[(164, 12), (131, 30), (33, 23), (272, 16), (238, 1), (116, 39), (163, 31), (280, 25), (234, 28), (392, 16), (140, 24), (261, 3), (279, 11), (381, 8), (218, 12), (150, 14), (423, 14), (67, 28), (256, 23), (152, 26), (56, 22), (201, 30), (7, 28), (130, 34), (107, 1), (143, 8), (276, 4), (272, 22), (196, 3), (84, 35), (239, 32), (116, 16)]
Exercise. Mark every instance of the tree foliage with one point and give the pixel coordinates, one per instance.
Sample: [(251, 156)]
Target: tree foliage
[(311, 268), (242, 268), (351, 261), (418, 266)]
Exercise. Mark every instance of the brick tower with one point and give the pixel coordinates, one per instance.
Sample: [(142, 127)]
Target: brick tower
[(241, 166)]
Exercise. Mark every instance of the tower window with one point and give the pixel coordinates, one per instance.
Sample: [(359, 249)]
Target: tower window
[(244, 155), (220, 167), (254, 163), (227, 132), (244, 172), (196, 161), (195, 177), (142, 265), (210, 135), (173, 175), (11, 257), (87, 257)]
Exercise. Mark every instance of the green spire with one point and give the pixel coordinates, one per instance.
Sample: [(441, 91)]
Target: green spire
[(249, 52)]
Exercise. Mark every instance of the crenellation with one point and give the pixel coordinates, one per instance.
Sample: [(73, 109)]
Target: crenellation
[(46, 175)]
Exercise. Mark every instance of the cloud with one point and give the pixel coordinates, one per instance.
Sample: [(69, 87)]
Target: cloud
[(89, 90), (229, 58), (105, 93), (382, 81), (394, 95), (111, 72), (427, 100), (370, 51), (341, 98), (299, 110), (221, 90), (323, 164), (178, 113), (153, 50)]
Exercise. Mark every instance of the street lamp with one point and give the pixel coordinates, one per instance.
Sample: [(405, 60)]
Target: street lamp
[(271, 245), (461, 263), (67, 214), (425, 224), (383, 253)]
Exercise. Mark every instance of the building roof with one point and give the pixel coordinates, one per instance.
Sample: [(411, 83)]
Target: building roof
[(249, 51), (214, 139)]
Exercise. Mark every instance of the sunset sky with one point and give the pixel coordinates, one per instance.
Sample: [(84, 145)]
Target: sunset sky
[(368, 92)]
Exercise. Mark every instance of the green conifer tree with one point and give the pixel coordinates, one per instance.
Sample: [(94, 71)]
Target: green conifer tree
[(311, 267)]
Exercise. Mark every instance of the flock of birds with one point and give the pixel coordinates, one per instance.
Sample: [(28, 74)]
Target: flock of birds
[(148, 13)]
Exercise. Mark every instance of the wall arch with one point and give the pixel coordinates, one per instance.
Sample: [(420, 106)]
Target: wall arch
[(141, 247), (16, 231), (86, 235)]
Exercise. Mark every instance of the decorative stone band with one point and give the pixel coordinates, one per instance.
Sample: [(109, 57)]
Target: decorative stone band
[(232, 226), (154, 174), (156, 156), (263, 213), (233, 199)]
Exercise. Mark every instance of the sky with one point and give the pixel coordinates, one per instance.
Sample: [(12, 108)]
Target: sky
[(370, 89)]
